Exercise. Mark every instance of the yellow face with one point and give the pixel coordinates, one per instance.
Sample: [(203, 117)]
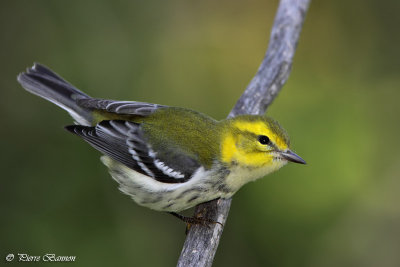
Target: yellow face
[(254, 141)]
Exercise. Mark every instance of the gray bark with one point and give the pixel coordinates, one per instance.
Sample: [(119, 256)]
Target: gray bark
[(201, 242)]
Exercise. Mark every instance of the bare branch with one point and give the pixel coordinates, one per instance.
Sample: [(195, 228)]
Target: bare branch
[(201, 242)]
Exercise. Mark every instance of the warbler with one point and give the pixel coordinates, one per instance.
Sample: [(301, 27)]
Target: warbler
[(168, 158)]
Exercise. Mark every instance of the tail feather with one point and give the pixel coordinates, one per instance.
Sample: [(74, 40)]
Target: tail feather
[(43, 82)]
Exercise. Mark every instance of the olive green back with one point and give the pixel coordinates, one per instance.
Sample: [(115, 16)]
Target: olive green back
[(188, 131)]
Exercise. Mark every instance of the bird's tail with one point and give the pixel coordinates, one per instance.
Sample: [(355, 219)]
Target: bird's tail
[(42, 81)]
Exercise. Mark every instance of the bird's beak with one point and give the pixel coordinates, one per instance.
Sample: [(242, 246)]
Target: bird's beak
[(289, 155)]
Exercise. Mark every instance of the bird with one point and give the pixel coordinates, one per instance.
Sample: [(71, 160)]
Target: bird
[(168, 158)]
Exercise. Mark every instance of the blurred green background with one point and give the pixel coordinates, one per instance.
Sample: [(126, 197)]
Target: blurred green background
[(340, 107)]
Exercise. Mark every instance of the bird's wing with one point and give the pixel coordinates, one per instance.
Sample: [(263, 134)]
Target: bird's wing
[(119, 107), (125, 142)]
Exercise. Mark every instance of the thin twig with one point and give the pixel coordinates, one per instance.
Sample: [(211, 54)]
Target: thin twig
[(201, 242)]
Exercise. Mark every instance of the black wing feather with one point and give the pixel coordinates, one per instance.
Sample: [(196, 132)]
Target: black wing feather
[(114, 149), (124, 141)]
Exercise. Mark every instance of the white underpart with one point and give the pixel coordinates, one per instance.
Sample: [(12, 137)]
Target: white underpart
[(167, 170), (240, 176), (172, 197), (140, 186)]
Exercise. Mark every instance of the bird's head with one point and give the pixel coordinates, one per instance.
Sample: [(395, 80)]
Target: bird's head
[(256, 141)]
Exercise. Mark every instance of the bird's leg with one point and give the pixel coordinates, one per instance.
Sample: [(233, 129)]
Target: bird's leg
[(194, 220)]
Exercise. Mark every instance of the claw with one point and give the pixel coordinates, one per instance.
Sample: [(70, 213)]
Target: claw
[(194, 220)]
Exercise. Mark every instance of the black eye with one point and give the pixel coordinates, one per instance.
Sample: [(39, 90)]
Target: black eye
[(264, 140)]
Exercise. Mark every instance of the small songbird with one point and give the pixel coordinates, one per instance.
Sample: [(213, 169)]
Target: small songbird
[(168, 158)]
